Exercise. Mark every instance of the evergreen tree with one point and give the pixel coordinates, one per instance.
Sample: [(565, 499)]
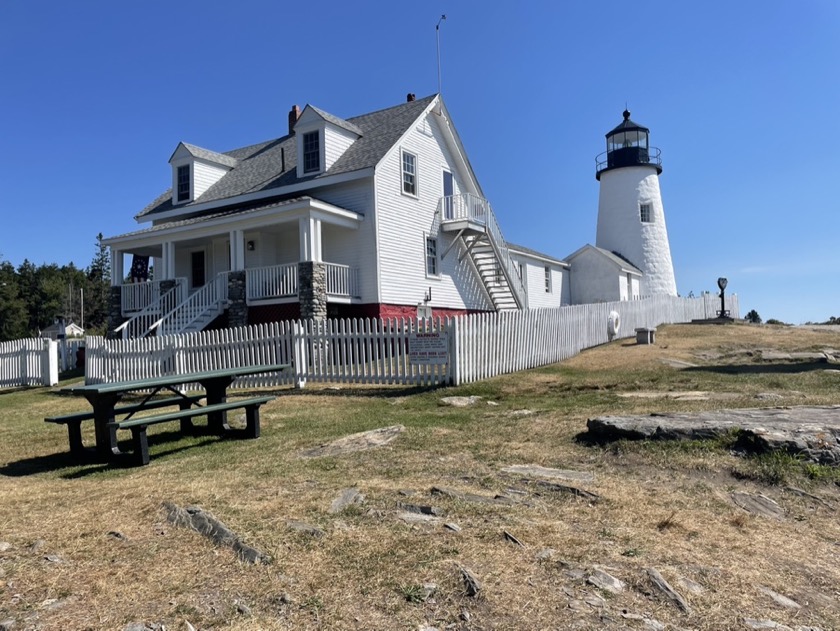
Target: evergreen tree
[(13, 317), (98, 289)]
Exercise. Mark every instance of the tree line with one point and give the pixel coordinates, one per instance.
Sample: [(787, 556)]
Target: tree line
[(33, 297)]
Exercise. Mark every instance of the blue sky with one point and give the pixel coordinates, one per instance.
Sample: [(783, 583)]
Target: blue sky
[(743, 99)]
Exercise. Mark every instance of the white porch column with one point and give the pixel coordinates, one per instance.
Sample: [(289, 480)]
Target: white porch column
[(117, 268), (168, 261), (310, 239), (237, 250)]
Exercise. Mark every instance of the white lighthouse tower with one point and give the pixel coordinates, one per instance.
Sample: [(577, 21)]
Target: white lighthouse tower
[(631, 220)]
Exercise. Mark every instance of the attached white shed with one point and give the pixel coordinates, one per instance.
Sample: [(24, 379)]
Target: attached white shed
[(599, 275), (546, 278)]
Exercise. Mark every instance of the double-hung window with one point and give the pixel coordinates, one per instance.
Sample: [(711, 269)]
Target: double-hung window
[(184, 183), (547, 279), (431, 256), (311, 152), (409, 173), (644, 213)]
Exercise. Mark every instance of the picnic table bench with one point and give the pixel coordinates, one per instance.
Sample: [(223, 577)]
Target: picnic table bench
[(104, 398), (74, 421), (139, 441)]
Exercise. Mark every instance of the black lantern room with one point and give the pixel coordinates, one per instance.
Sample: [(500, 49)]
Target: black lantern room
[(628, 145)]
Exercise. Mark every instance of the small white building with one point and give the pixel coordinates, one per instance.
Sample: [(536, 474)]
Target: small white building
[(70, 331), (597, 275), (540, 271)]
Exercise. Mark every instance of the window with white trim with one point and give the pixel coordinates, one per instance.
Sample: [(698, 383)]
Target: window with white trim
[(547, 279), (311, 152), (431, 257), (184, 183), (644, 213), (409, 173)]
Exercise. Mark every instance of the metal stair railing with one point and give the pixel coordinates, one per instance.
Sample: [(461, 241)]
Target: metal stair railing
[(140, 324), (478, 210), (208, 298)]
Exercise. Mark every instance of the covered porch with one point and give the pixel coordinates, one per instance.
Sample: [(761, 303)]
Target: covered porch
[(299, 250)]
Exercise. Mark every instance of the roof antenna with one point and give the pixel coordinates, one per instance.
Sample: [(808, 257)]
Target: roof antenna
[(437, 34)]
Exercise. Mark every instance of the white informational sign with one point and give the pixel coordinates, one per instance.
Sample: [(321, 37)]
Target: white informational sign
[(428, 348)]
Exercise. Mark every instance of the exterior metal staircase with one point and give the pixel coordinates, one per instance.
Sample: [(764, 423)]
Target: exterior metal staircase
[(478, 232)]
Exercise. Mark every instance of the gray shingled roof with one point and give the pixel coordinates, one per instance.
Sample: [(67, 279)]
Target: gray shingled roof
[(211, 156), (335, 120), (259, 166)]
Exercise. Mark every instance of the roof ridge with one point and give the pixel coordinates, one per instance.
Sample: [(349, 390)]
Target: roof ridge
[(385, 109)]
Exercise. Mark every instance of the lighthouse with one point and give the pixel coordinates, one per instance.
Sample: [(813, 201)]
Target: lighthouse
[(631, 219)]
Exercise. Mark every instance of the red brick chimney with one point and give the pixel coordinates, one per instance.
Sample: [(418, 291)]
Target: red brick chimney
[(410, 97), (294, 115)]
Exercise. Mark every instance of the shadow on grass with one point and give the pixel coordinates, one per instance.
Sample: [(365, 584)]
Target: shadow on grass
[(758, 369), (90, 464), (16, 389), (339, 390), (326, 390)]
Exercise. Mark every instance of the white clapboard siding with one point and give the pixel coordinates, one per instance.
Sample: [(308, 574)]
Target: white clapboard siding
[(28, 362), (374, 351)]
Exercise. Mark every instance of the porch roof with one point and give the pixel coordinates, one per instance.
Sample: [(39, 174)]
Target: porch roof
[(262, 214)]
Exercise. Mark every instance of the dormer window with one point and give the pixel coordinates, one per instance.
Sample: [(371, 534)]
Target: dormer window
[(311, 152), (184, 183), (194, 170)]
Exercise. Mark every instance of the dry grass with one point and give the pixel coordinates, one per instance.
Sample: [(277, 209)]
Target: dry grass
[(664, 506)]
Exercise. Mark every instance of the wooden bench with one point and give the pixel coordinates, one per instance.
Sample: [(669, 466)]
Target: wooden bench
[(74, 421), (138, 426)]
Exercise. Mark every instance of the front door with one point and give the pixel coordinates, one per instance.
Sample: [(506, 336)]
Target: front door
[(448, 192), (197, 268)]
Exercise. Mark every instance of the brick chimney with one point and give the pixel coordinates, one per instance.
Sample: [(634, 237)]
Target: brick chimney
[(410, 97), (294, 115)]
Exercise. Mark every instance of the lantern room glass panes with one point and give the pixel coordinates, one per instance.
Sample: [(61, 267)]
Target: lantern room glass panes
[(628, 139)]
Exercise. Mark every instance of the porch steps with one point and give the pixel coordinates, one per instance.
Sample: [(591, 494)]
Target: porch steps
[(187, 321)]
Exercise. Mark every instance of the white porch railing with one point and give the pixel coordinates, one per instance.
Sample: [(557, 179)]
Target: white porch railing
[(467, 206), (274, 281), (135, 297), (342, 280), (205, 303), (281, 281), (140, 325)]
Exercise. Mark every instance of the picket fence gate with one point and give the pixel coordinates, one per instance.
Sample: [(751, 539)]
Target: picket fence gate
[(377, 351)]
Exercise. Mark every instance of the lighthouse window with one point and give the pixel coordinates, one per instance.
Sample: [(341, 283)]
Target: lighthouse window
[(644, 213)]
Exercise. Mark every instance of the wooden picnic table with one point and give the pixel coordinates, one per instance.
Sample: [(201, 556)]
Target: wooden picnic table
[(104, 397)]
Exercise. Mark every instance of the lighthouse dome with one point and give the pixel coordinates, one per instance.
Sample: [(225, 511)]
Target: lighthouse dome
[(628, 145)]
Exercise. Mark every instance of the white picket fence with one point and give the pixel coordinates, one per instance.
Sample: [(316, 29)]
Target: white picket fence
[(28, 362), (373, 351)]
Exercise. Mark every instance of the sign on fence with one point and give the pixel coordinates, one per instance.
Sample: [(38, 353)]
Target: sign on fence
[(428, 348)]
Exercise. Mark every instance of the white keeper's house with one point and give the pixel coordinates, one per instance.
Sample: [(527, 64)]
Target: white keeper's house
[(379, 215), (370, 216)]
